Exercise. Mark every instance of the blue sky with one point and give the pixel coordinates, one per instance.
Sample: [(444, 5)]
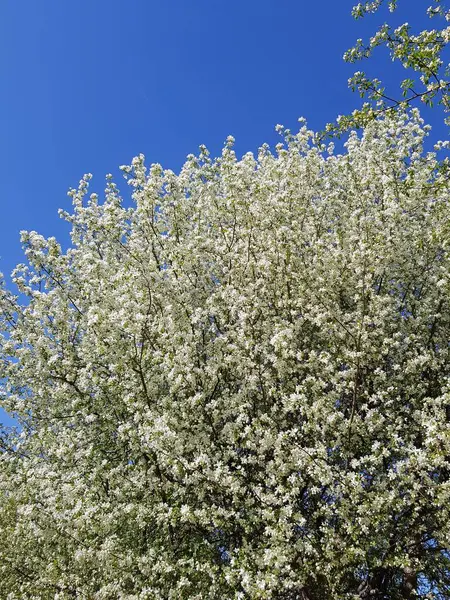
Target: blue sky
[(88, 84)]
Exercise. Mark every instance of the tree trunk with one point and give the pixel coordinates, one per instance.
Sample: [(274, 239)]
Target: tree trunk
[(409, 582)]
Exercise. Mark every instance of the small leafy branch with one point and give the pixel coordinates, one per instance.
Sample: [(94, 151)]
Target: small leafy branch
[(422, 53)]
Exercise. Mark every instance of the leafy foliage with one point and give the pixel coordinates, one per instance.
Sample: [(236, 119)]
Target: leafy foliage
[(423, 54)]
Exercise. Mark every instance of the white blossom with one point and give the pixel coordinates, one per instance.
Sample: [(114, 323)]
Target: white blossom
[(237, 388)]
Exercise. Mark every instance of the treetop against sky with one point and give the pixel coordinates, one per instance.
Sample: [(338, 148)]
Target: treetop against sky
[(87, 85), (230, 371)]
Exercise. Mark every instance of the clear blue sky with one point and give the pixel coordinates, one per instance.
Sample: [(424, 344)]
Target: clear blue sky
[(88, 84)]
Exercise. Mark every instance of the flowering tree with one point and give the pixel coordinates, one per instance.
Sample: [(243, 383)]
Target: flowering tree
[(239, 387)]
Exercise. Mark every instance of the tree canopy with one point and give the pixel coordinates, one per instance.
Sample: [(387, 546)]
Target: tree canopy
[(239, 386)]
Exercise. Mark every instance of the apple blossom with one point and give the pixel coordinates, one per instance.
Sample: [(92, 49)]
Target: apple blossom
[(238, 387)]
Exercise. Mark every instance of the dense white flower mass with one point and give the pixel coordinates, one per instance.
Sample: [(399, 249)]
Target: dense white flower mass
[(239, 387)]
